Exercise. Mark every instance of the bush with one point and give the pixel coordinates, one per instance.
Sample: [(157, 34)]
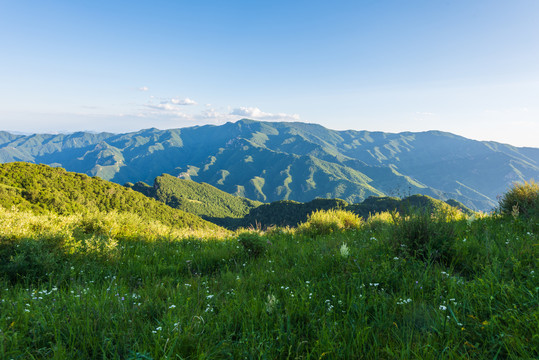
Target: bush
[(425, 236), (28, 260), (521, 199), (325, 222), (380, 220), (253, 244)]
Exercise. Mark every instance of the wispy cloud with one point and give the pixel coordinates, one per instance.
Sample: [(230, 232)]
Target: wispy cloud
[(214, 116), (183, 109), (425, 113), (170, 106), (165, 107), (144, 88), (257, 114), (179, 101)]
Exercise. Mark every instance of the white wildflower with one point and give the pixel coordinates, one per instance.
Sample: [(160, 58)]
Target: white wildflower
[(345, 252), (271, 303)]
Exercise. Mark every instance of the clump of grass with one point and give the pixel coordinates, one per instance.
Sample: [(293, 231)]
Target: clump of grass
[(521, 200), (28, 260), (380, 220), (253, 244), (323, 222), (425, 236)]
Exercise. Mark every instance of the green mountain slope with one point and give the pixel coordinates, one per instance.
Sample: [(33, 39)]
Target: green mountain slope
[(269, 161), (291, 213), (420, 203), (41, 188), (265, 175), (202, 199), (287, 212)]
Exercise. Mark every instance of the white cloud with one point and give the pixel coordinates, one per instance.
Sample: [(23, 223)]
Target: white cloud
[(168, 107), (144, 88), (186, 101), (257, 114), (213, 116), (178, 108), (164, 107)]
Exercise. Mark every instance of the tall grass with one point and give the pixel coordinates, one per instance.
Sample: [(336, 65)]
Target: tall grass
[(111, 286)]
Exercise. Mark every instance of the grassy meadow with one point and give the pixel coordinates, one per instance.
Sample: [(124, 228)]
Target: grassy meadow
[(115, 286)]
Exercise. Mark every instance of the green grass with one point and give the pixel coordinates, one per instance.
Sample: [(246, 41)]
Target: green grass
[(113, 286)]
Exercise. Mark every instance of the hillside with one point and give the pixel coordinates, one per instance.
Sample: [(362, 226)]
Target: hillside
[(203, 199), (292, 213), (270, 161), (43, 189)]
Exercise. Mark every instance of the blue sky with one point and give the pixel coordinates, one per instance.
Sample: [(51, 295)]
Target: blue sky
[(468, 67)]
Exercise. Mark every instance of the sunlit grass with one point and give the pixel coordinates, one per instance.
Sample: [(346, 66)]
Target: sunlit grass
[(118, 287)]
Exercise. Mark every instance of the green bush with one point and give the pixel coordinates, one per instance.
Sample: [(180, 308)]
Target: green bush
[(253, 244), (28, 260), (425, 236), (521, 199), (380, 220), (323, 222)]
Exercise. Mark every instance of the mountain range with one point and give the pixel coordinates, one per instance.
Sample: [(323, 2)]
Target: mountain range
[(271, 161)]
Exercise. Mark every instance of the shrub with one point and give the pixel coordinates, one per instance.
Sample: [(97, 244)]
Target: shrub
[(425, 236), (28, 260), (380, 220), (521, 199), (93, 224), (323, 222), (253, 244)]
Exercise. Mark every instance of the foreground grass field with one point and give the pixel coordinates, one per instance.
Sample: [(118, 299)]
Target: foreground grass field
[(112, 286)]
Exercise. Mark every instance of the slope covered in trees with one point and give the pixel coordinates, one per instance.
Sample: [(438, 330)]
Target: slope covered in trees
[(42, 189), (202, 199), (291, 213), (232, 211)]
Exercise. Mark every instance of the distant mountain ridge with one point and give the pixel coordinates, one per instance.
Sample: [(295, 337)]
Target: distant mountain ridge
[(271, 161)]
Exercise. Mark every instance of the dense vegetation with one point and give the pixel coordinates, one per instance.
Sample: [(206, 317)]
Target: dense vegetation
[(522, 199), (288, 212), (292, 213), (426, 284), (43, 189), (407, 204), (203, 200), (271, 161), (233, 212)]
